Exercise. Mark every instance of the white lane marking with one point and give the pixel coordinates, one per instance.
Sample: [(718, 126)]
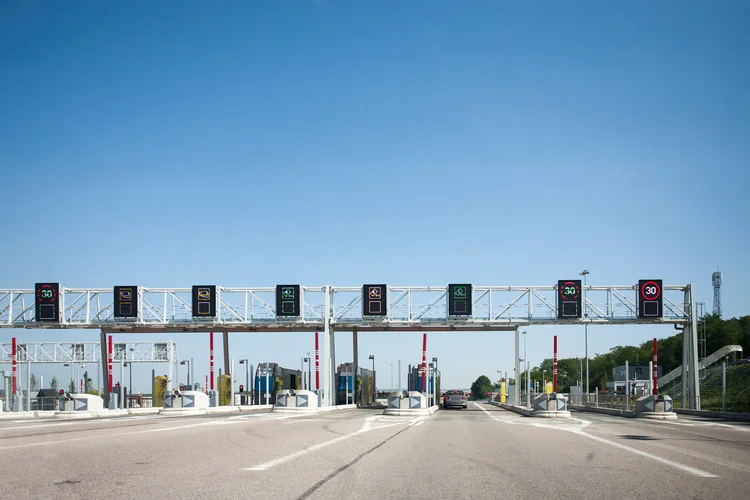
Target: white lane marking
[(585, 423), (57, 424), (366, 428), (553, 424), (676, 465), (108, 435), (702, 456), (701, 424)]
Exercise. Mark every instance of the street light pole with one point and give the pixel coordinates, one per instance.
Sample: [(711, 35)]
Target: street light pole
[(309, 372), (186, 362), (374, 390), (585, 273), (525, 386), (306, 380), (130, 386), (247, 373)]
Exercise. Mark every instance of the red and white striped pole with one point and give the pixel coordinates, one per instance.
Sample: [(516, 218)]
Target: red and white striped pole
[(110, 358), (554, 367), (424, 362), (211, 360), (656, 368), (317, 362), (14, 357)]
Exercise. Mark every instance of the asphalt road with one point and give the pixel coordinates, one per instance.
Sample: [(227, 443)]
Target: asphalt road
[(481, 452)]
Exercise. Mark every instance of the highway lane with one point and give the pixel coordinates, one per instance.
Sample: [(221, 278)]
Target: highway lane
[(481, 452)]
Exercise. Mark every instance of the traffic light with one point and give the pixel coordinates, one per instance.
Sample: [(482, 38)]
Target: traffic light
[(242, 388), (287, 300), (569, 299), (126, 302), (374, 300), (204, 301), (62, 392), (650, 299), (47, 306), (459, 300)]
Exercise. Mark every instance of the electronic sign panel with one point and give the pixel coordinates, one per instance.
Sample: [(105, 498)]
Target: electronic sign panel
[(459, 300), (374, 300), (204, 301), (47, 304), (569, 299), (287, 300), (650, 299), (126, 302)]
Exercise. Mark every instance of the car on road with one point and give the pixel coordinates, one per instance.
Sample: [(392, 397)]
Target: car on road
[(454, 398)]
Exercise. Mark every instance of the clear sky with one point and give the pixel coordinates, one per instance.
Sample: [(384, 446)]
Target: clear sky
[(172, 143)]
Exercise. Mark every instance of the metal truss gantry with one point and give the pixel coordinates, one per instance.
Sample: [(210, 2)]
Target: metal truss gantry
[(417, 307), (331, 308), (89, 352)]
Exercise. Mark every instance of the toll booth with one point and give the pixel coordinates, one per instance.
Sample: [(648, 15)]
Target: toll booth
[(160, 388), (224, 386), (47, 399)]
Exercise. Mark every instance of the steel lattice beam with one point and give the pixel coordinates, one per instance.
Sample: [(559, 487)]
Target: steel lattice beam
[(409, 308), (89, 352)]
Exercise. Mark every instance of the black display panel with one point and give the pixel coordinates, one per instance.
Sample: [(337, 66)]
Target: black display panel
[(287, 300), (47, 305), (374, 300), (650, 299), (204, 301), (569, 299), (126, 302), (459, 300)]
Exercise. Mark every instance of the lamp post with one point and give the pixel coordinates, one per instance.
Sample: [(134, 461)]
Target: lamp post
[(585, 273), (435, 376), (374, 390), (130, 386), (71, 374), (78, 377), (186, 362), (247, 373), (431, 393), (306, 380), (309, 372)]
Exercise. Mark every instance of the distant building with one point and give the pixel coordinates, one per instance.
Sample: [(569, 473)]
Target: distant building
[(637, 372)]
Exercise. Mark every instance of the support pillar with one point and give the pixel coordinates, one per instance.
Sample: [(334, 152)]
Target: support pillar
[(517, 387), (105, 363), (326, 368), (227, 364), (355, 363)]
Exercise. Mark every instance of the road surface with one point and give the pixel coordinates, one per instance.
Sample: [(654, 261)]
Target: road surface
[(480, 452)]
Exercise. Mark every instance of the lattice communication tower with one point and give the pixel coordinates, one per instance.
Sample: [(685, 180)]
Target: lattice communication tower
[(716, 281)]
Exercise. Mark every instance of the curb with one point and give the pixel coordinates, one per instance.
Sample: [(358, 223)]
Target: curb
[(725, 415)]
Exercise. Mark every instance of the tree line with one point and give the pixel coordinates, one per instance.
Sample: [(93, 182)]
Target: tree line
[(713, 332)]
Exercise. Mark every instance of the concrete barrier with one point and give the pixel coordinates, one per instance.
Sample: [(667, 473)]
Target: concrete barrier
[(288, 401), (551, 405), (412, 403), (655, 407)]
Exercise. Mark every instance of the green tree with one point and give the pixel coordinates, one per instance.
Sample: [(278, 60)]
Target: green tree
[(480, 388), (33, 381), (72, 386), (53, 383)]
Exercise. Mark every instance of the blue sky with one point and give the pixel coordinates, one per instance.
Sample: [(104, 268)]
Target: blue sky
[(412, 143)]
